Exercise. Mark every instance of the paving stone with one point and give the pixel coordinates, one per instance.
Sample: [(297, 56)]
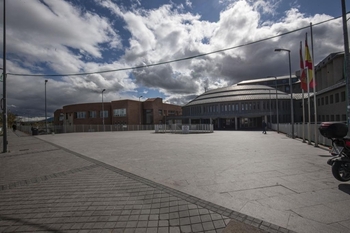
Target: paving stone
[(90, 196)]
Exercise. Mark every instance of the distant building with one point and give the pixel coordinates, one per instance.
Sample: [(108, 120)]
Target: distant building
[(120, 112), (246, 104)]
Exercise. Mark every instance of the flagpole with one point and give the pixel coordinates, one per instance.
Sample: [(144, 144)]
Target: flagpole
[(308, 106), (302, 81), (303, 104), (314, 86)]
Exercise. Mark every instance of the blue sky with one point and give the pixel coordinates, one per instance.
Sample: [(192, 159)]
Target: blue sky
[(89, 36)]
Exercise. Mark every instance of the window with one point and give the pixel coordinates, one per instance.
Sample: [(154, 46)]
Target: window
[(225, 108), (160, 112), (61, 117), (81, 115), (332, 117), (342, 96), (119, 112), (104, 114), (322, 101), (337, 117), (326, 100), (93, 114), (331, 99), (337, 97), (318, 103)]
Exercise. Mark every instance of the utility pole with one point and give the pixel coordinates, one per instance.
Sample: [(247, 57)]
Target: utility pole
[(347, 61), (4, 101)]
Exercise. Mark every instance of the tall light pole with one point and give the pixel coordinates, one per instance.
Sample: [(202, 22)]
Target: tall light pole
[(4, 94), (270, 108), (347, 60), (278, 125), (290, 87), (45, 109), (140, 110), (103, 112)]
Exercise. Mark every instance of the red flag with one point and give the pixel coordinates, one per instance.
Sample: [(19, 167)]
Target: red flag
[(303, 81), (308, 64)]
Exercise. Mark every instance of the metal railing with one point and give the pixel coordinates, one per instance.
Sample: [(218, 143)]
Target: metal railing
[(186, 128), (85, 128), (298, 132)]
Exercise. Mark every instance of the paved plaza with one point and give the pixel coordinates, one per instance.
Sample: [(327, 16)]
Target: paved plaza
[(139, 181)]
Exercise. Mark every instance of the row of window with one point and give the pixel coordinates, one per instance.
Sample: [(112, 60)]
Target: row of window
[(337, 117), (103, 114), (249, 106), (333, 98)]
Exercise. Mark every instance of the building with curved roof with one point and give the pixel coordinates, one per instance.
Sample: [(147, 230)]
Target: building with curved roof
[(246, 104), (239, 107)]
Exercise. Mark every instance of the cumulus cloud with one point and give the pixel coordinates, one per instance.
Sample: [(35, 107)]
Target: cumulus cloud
[(56, 36)]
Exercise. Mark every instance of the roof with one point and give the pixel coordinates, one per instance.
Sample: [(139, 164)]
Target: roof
[(272, 78), (238, 93)]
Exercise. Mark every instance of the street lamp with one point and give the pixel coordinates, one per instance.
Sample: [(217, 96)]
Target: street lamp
[(45, 109), (140, 111), (290, 87), (270, 109), (4, 91), (278, 126), (103, 112)]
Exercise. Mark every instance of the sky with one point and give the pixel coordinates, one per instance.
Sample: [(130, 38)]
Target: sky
[(131, 47)]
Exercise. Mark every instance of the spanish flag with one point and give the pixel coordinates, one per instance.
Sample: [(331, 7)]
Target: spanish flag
[(309, 64)]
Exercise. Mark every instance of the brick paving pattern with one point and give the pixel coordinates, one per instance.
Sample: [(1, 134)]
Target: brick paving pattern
[(55, 190)]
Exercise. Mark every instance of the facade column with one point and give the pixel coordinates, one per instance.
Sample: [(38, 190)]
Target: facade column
[(236, 123)]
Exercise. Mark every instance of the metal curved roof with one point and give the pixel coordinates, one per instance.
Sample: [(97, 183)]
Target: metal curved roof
[(238, 93)]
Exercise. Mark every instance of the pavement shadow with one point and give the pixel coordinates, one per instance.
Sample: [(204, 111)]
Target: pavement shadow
[(30, 224), (345, 188), (325, 156)]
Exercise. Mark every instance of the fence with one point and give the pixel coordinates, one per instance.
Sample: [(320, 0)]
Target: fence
[(86, 128), (180, 128), (298, 132)]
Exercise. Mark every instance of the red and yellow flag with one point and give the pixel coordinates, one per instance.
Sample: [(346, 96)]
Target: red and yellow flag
[(308, 64), (303, 79)]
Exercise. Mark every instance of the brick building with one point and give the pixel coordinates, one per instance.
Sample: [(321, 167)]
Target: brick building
[(120, 112)]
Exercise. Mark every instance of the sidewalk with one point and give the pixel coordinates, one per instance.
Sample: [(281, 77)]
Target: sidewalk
[(46, 188)]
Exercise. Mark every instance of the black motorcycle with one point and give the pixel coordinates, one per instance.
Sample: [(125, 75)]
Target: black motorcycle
[(340, 149)]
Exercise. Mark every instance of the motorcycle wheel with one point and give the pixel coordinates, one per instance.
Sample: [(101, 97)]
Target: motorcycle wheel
[(341, 171)]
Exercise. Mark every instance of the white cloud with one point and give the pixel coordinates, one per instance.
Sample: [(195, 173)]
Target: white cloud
[(71, 39)]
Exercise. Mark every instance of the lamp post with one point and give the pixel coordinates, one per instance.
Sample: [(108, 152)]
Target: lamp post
[(140, 111), (45, 109), (278, 125), (270, 108), (4, 93), (290, 87), (103, 112)]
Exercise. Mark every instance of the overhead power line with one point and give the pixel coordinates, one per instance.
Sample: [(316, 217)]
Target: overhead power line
[(171, 61)]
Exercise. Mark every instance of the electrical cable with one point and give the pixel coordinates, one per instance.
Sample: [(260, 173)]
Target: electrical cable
[(170, 61)]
